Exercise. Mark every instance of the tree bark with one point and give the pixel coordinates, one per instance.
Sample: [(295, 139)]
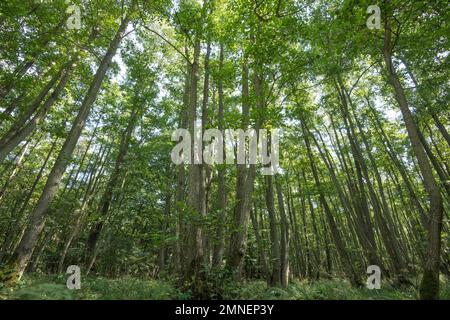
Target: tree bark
[(275, 252), (21, 129), (284, 233), (222, 192), (429, 286), (38, 217), (108, 194)]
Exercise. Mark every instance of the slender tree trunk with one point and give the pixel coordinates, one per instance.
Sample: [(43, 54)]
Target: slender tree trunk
[(21, 130), (259, 243), (365, 225), (383, 215), (284, 234), (15, 227), (16, 169), (165, 226), (32, 107), (345, 260), (429, 287), (222, 192), (180, 178), (194, 199), (79, 213), (31, 59), (275, 263), (204, 168), (25, 249), (245, 179), (107, 196)]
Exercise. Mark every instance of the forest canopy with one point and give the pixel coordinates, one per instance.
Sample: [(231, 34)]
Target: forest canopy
[(348, 101)]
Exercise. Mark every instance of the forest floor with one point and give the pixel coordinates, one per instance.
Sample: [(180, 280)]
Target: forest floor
[(97, 288)]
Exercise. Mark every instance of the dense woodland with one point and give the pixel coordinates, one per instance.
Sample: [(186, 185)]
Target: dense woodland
[(87, 115)]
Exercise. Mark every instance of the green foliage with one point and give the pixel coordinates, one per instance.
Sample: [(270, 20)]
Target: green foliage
[(38, 288), (322, 290), (43, 291), (314, 70), (54, 288), (92, 288), (126, 288)]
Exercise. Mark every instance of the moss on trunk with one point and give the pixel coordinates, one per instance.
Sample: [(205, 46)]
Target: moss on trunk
[(429, 286)]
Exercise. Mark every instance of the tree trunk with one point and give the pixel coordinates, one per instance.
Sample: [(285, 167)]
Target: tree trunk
[(345, 260), (284, 233), (25, 249), (222, 192), (108, 194), (245, 179), (429, 286), (275, 263), (21, 130), (87, 198)]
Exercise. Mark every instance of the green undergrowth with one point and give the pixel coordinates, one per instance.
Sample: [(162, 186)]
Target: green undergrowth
[(98, 288), (318, 290), (92, 288)]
